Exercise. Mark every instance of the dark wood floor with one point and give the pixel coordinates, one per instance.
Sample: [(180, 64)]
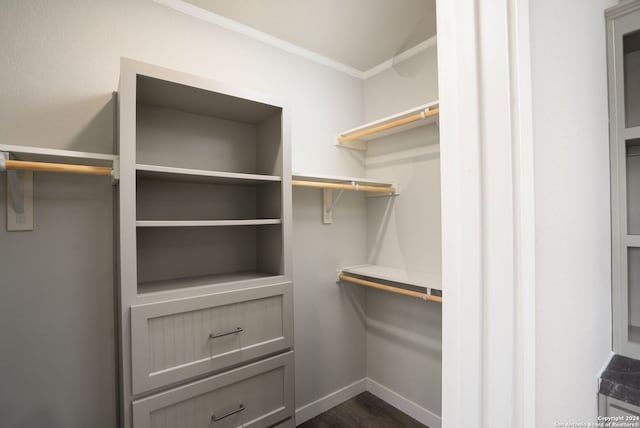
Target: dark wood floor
[(363, 411)]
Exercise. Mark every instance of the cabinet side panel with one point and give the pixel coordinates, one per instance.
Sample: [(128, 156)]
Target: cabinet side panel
[(127, 226)]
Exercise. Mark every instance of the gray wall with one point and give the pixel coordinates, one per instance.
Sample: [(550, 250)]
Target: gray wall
[(60, 64), (330, 320), (404, 335), (56, 307)]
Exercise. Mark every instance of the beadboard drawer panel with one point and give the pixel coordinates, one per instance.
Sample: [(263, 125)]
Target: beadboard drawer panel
[(258, 396), (179, 339)]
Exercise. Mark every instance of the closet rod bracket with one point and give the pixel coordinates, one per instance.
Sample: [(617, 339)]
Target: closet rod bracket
[(115, 172), (13, 186)]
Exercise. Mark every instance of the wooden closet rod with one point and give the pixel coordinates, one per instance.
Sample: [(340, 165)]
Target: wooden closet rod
[(424, 114), (341, 186), (390, 289), (57, 167)]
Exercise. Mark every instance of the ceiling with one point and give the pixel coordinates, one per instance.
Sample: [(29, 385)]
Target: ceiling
[(358, 33)]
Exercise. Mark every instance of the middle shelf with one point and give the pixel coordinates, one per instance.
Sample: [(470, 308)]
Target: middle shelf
[(198, 227), (206, 223), (179, 197)]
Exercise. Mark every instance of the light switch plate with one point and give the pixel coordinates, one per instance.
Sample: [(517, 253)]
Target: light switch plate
[(21, 221)]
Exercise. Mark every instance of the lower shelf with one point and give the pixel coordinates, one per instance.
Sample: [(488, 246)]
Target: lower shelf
[(199, 281), (427, 287), (401, 276), (172, 256)]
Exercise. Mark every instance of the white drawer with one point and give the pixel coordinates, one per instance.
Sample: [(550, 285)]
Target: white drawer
[(180, 339), (258, 396)]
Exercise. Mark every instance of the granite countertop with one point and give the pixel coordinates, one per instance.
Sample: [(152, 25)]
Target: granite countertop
[(621, 380)]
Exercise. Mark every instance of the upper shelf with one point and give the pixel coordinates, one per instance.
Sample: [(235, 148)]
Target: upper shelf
[(158, 172), (56, 160), (344, 183), (357, 138), (161, 87)]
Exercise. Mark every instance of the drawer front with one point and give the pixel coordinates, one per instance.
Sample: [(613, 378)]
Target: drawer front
[(258, 396), (176, 340)]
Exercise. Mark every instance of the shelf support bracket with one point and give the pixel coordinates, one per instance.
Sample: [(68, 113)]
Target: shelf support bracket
[(19, 197), (115, 172), (328, 203)]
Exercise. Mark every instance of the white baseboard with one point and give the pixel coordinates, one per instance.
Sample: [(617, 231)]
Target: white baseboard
[(327, 402), (407, 406)]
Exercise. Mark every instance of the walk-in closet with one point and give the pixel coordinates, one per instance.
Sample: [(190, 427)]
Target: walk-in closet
[(269, 227), (340, 213)]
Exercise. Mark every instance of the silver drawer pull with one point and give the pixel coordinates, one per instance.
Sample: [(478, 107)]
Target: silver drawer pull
[(215, 418), (228, 333)]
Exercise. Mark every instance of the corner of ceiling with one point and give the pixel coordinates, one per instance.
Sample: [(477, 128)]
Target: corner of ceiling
[(231, 25)]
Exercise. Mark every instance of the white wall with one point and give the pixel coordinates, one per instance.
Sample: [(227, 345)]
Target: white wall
[(60, 63), (404, 335), (573, 291), (411, 83)]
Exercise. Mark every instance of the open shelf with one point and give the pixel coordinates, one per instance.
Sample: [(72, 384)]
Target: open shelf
[(161, 200), (356, 138), (173, 255), (631, 68), (41, 154), (400, 276), (322, 178), (158, 172), (59, 161), (199, 281), (206, 223), (344, 183), (244, 138), (207, 100)]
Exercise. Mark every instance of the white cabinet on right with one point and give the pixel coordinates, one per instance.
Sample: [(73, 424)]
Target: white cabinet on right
[(623, 45)]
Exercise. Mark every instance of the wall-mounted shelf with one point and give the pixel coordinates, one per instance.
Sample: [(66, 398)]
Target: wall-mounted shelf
[(357, 138), (360, 184), (328, 183), (400, 276), (27, 160), (395, 281), (65, 161)]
